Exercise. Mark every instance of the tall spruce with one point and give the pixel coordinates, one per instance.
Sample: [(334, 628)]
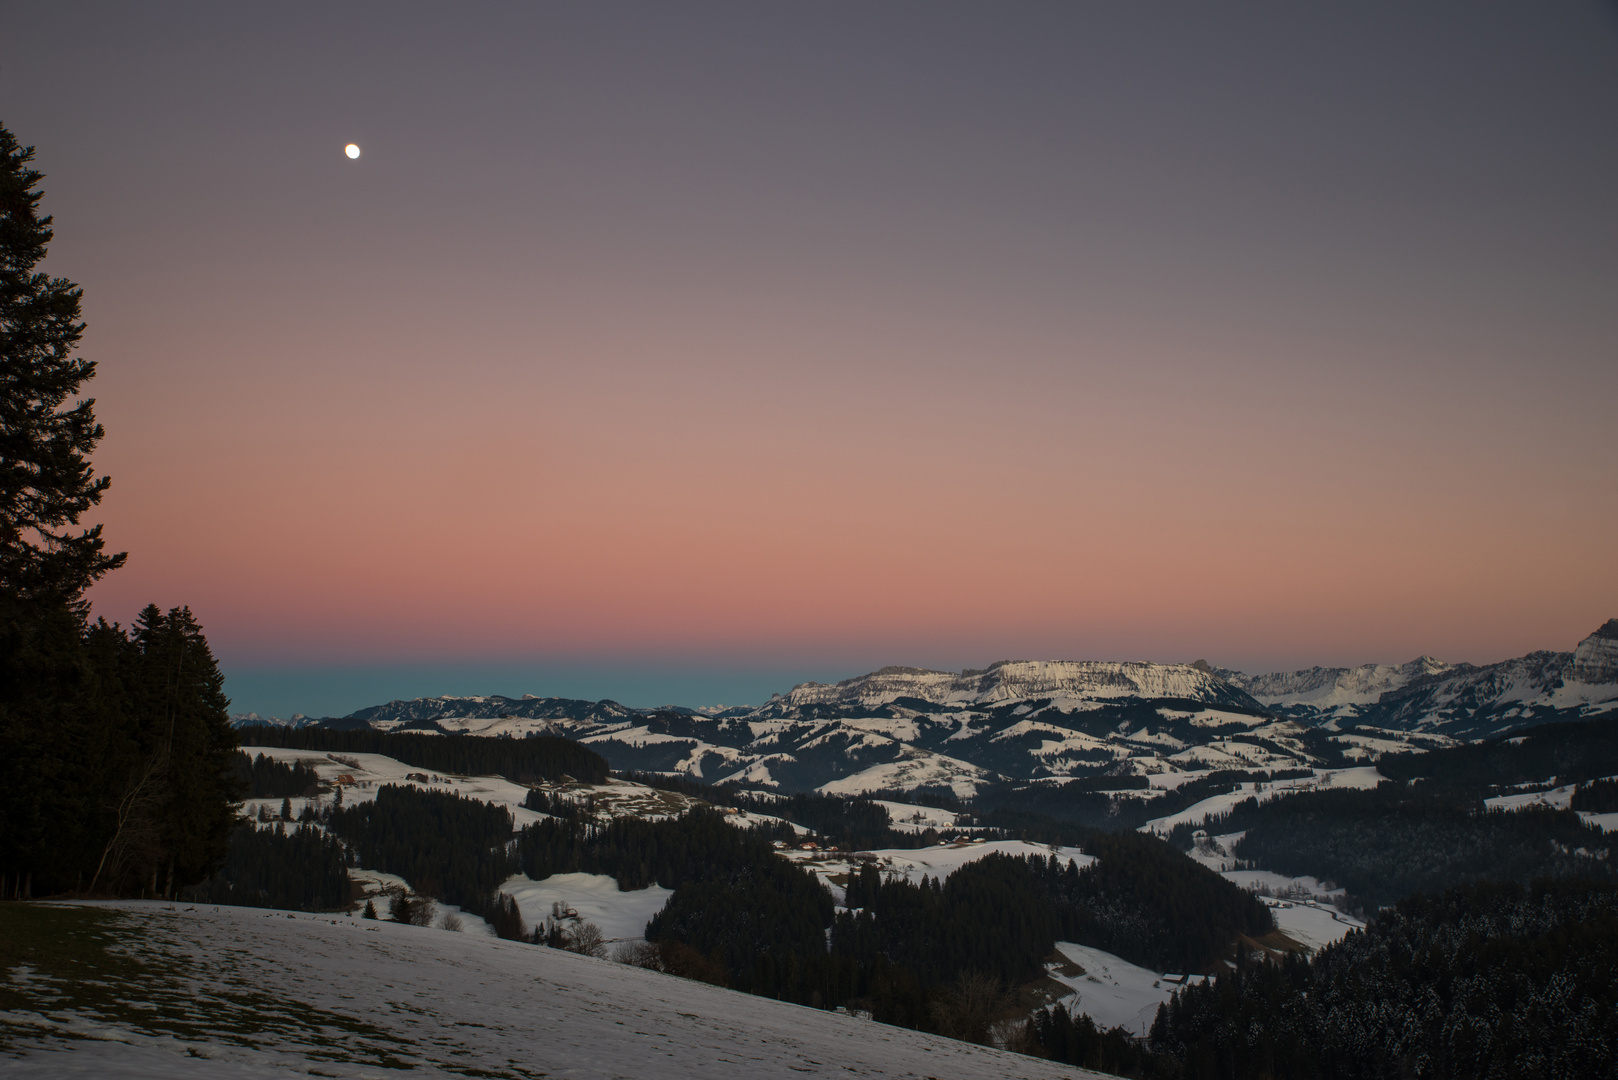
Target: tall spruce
[(46, 480), (116, 752), (55, 740)]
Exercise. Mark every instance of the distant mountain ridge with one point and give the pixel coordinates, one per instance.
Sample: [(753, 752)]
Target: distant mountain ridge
[(1460, 700), (1017, 680), (1026, 721)]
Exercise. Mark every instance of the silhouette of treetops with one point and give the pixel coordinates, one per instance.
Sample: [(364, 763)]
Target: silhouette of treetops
[(1597, 797), (1573, 751), (304, 869), (991, 916), (1144, 901), (1484, 980), (265, 778)]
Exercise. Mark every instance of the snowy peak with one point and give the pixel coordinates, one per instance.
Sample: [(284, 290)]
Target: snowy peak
[(1328, 688), (1466, 700)]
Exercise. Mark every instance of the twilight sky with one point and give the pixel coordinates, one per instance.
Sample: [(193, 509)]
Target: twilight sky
[(687, 351)]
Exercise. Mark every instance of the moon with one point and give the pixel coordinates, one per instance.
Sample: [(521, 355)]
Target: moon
[(352, 151)]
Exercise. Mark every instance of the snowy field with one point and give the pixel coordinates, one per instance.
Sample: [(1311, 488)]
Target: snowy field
[(242, 992), (1314, 925), (916, 768), (1112, 992), (1304, 915), (907, 818), (1559, 798), (622, 916), (1364, 776), (360, 775)]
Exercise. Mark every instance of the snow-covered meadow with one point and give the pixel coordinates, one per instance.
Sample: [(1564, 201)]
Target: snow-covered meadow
[(1111, 991), (243, 992)]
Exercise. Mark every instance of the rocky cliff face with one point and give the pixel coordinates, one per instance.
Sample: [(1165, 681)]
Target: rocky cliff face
[(1018, 680), (1595, 661)]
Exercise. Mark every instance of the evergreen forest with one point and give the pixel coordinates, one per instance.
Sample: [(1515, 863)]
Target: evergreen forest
[(303, 868), (1483, 981), (262, 777)]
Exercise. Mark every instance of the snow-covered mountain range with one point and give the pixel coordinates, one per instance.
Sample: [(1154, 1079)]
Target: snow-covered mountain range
[(1031, 721), (1459, 700)]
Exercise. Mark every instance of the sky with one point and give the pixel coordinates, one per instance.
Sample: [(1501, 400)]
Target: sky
[(681, 353)]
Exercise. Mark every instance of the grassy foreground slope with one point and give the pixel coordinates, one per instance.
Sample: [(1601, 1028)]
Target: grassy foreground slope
[(146, 990)]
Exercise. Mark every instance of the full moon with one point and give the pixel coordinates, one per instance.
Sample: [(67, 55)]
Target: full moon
[(352, 151)]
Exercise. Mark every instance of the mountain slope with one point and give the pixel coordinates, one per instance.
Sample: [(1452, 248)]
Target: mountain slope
[(1458, 700), (147, 990)]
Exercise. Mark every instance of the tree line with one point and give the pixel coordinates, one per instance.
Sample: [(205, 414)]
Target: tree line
[(1392, 841), (1485, 980), (300, 869), (850, 822), (533, 760), (447, 846), (1596, 797), (262, 777), (1571, 751), (1104, 802)]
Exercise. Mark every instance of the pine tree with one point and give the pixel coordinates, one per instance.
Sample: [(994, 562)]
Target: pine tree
[(46, 482), (180, 694)]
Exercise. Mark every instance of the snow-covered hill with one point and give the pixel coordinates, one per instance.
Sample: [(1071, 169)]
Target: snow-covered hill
[(155, 991), (908, 728)]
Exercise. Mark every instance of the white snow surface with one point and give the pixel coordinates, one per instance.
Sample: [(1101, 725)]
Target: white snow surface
[(1557, 798), (258, 994), (1112, 992), (1364, 776), (916, 768), (622, 916), (904, 817), (1313, 924)]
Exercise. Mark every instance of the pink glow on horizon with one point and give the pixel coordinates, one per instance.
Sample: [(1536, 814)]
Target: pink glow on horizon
[(1072, 502)]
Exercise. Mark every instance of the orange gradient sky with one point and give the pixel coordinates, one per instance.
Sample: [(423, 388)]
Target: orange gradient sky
[(795, 342)]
